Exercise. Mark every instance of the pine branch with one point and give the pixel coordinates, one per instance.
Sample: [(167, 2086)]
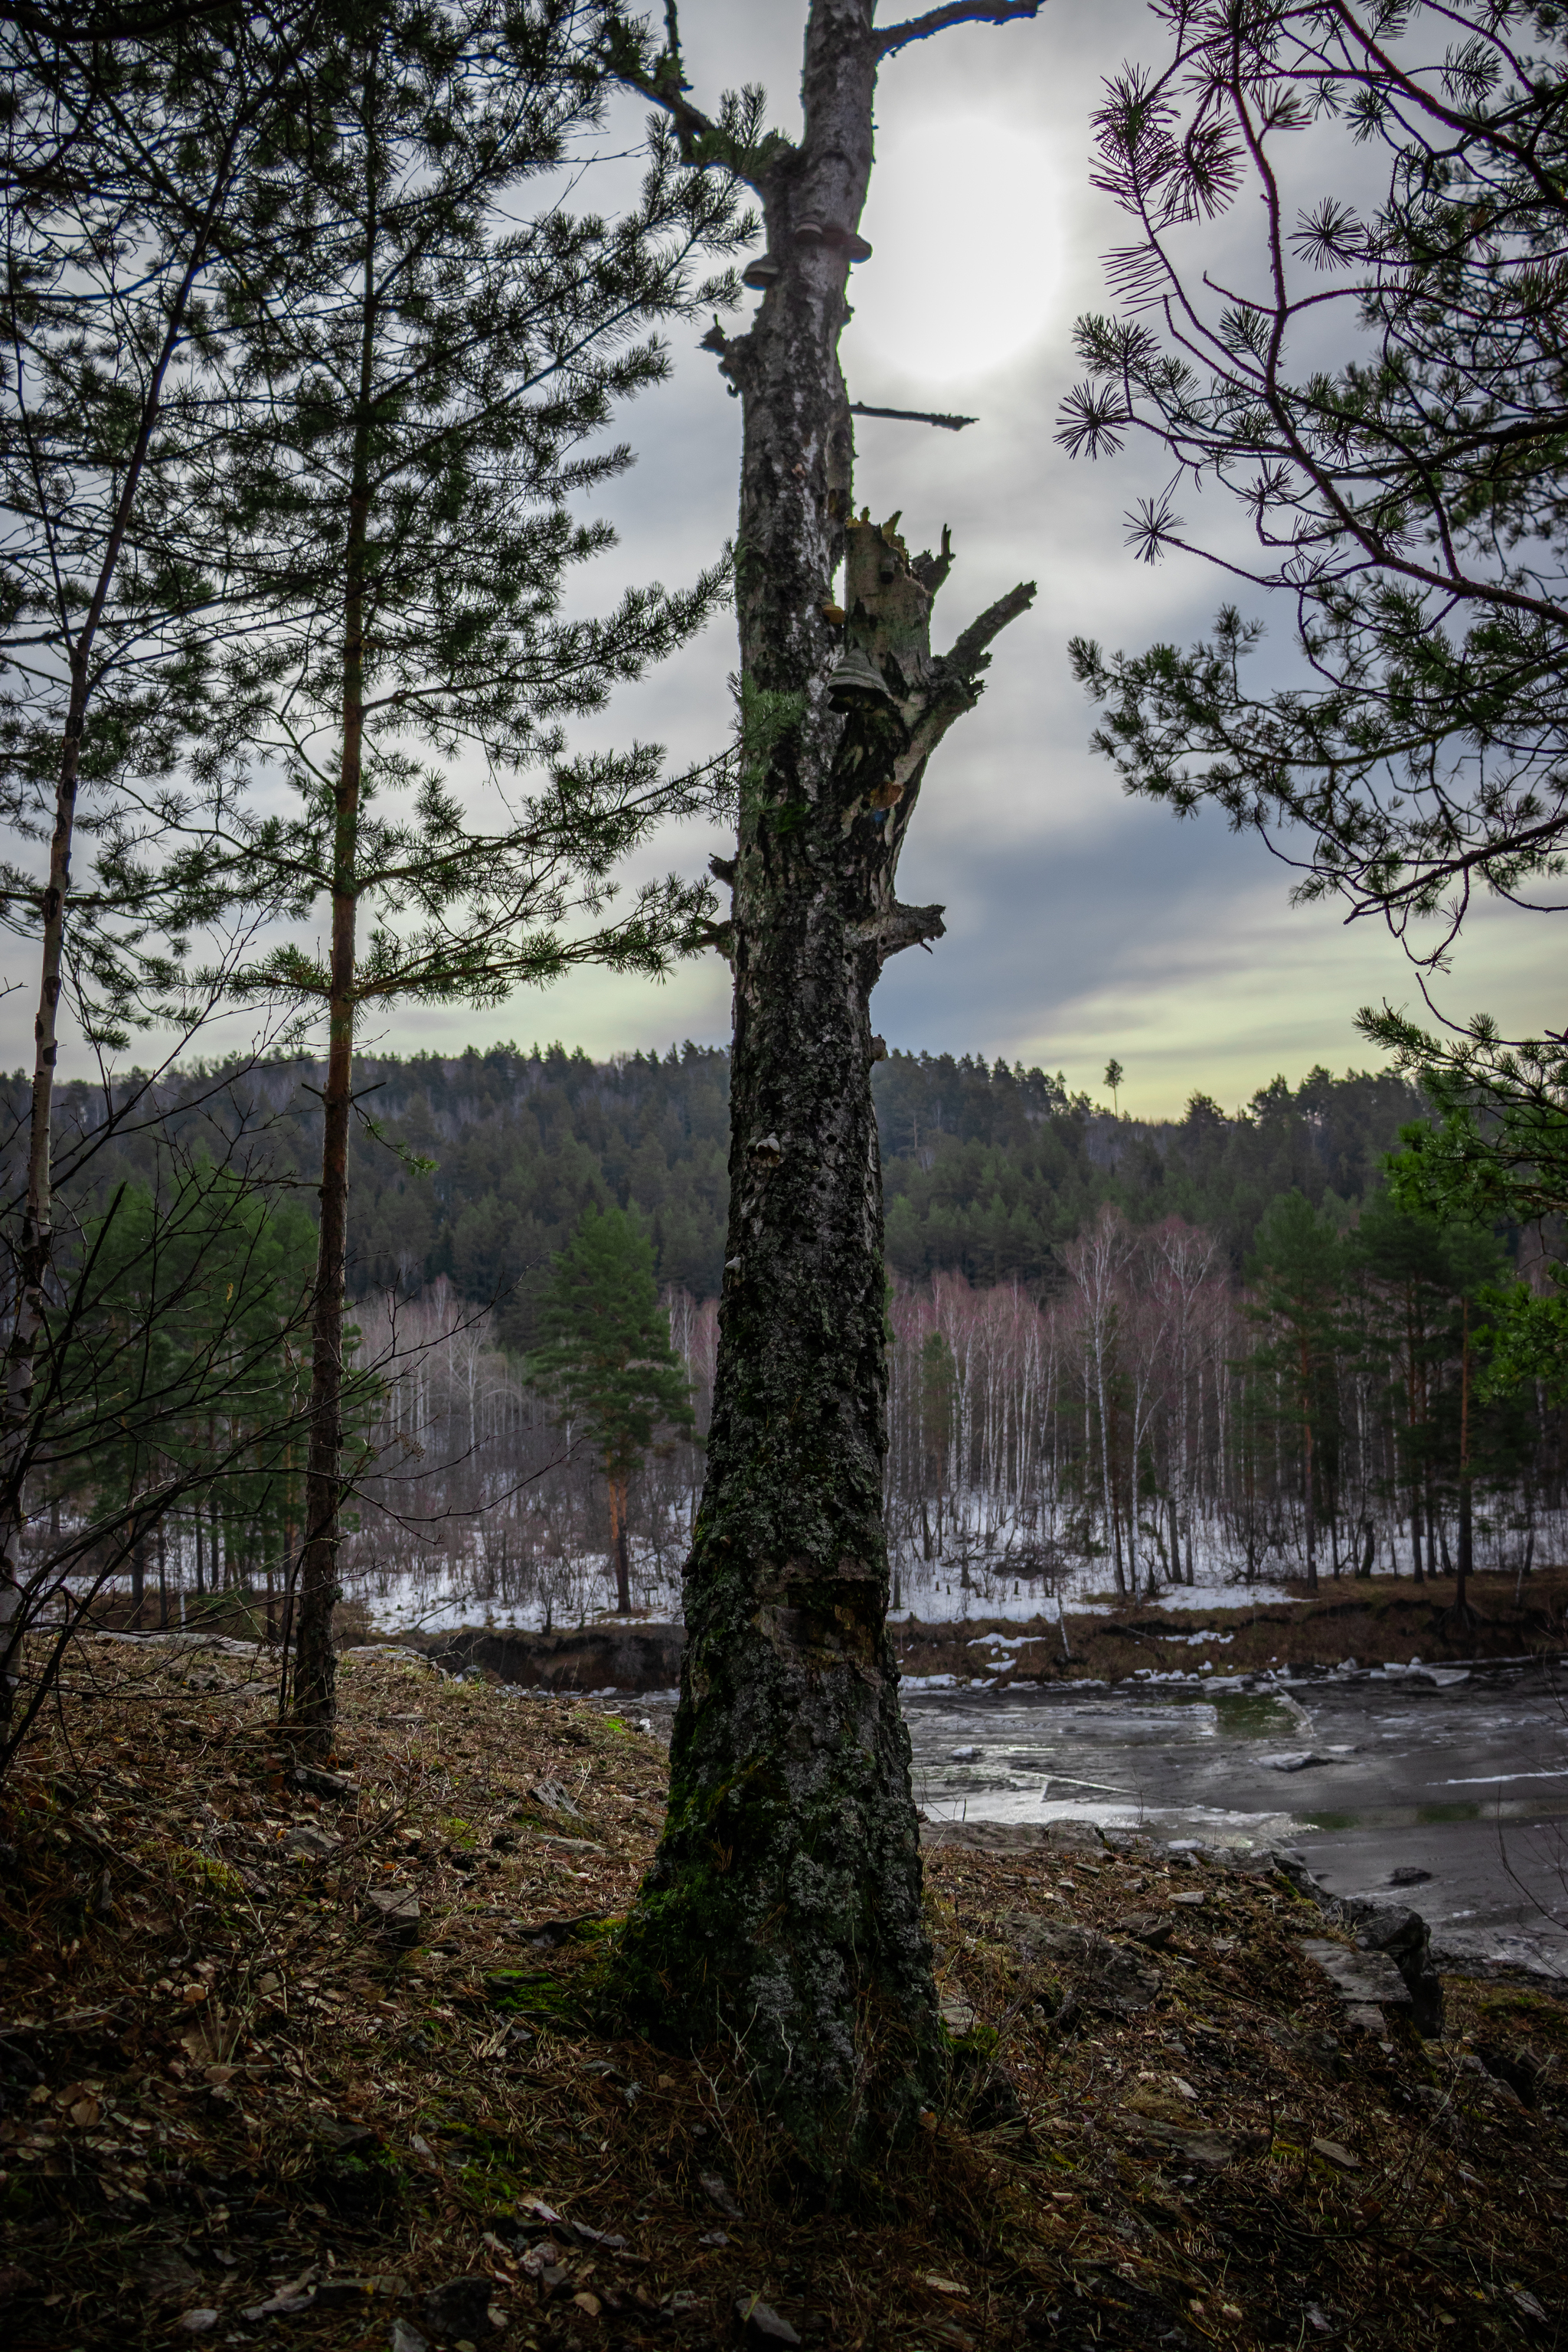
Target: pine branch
[(702, 142)]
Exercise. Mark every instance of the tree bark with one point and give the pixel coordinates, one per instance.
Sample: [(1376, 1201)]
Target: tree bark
[(783, 1906), (620, 1547), (314, 1709)]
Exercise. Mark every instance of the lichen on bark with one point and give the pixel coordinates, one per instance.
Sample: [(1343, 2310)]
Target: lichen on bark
[(784, 1910)]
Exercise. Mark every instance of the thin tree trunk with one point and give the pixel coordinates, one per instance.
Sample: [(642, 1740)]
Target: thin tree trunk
[(784, 1902), (36, 1249), (1466, 1539), (620, 1549), (1113, 1531), (315, 1669), (1310, 1499)]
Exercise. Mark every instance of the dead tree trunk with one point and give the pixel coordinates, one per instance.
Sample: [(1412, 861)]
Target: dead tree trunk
[(783, 1905)]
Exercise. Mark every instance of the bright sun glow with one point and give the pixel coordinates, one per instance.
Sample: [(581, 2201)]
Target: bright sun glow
[(963, 216)]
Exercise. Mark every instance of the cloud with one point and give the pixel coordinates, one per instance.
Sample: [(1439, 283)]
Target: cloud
[(1079, 924)]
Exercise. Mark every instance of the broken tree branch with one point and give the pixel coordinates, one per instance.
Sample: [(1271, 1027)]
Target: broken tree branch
[(961, 12), (913, 417)]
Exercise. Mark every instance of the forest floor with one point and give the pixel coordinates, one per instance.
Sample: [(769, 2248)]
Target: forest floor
[(1371, 1621), (317, 2066)]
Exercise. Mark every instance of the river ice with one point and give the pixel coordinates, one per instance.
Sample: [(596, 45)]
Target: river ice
[(1372, 1778)]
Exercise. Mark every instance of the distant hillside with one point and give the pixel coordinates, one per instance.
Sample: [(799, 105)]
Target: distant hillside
[(986, 1169)]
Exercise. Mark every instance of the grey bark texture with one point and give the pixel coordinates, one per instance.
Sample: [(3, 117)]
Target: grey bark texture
[(784, 1908)]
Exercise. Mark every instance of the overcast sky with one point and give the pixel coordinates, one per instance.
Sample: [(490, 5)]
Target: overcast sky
[(1079, 924)]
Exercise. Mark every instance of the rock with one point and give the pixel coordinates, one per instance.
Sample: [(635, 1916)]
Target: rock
[(759, 2323), (967, 1755), (1153, 1929), (1404, 1936), (720, 2194), (407, 2339), (1334, 2154), (1298, 1759), (1408, 1875), (1291, 1866), (166, 2276), (290, 2300), (1056, 1836), (1191, 1898), (1114, 1978), (393, 1914), (554, 1799), (624, 1657), (1522, 2070), (1365, 1982), (198, 2320), (957, 2014), (319, 1846), (1209, 2151), (458, 2307), (1069, 1837)]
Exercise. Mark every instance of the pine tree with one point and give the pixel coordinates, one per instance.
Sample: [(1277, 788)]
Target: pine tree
[(137, 173), (1297, 1275), (1431, 1283), (605, 1356), (167, 1382), (1405, 487), (429, 396)]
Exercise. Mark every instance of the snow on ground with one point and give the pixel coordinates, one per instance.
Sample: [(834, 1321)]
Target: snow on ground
[(439, 1596)]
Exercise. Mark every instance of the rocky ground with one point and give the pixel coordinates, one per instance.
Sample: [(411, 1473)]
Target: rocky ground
[(314, 2061)]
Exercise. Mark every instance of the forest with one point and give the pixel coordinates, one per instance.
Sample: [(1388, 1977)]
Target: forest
[(1122, 1353), (476, 1167)]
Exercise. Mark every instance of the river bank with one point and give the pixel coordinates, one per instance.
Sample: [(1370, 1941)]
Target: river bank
[(1352, 1623), (321, 2062), (1367, 1622)]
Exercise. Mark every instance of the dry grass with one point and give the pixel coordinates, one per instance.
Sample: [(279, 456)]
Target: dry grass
[(219, 2078)]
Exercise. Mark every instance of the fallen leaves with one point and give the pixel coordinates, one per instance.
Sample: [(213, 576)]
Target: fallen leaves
[(261, 2079)]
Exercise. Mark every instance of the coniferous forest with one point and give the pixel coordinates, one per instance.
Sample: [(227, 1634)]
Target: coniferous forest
[(478, 1167)]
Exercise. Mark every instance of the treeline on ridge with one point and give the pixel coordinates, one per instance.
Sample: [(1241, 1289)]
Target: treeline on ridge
[(476, 1167)]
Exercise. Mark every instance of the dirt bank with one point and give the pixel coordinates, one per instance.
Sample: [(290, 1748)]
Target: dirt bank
[(1381, 1621)]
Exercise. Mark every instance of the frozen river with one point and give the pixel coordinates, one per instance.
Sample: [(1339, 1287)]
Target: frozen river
[(1461, 1777)]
